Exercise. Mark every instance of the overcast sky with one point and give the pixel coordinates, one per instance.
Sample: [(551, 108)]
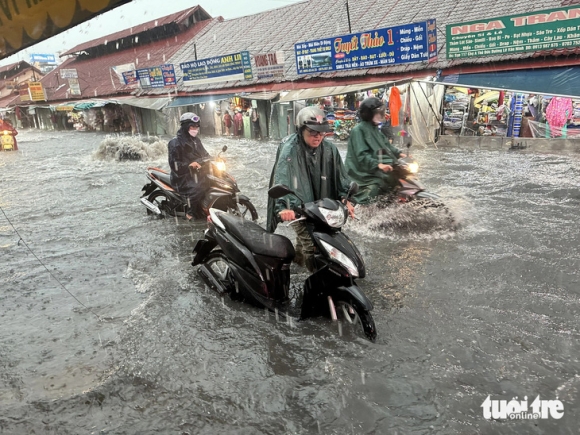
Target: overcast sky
[(138, 12)]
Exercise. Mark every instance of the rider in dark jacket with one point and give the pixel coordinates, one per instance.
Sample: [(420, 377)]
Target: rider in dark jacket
[(186, 153)]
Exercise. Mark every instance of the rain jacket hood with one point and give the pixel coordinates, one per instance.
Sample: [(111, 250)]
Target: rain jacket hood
[(313, 173)]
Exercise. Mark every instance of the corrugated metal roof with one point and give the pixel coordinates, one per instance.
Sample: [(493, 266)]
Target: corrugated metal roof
[(317, 19), (96, 78), (180, 17)]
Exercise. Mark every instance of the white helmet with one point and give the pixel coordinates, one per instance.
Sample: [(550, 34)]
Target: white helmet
[(313, 118), (190, 118)]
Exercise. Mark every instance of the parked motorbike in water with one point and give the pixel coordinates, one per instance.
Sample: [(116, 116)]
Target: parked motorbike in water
[(162, 199), (240, 258), (7, 140)]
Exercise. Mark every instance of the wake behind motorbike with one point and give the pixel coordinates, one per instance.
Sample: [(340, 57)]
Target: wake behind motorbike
[(162, 199), (239, 258)]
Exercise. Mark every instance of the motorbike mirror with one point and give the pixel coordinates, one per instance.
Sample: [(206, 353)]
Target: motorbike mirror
[(278, 191), (353, 189)]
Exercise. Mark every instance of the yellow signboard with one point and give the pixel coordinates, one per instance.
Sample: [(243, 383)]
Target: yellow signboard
[(25, 22), (36, 91)]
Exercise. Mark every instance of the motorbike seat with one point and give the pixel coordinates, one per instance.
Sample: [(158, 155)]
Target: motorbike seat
[(162, 176), (256, 238)]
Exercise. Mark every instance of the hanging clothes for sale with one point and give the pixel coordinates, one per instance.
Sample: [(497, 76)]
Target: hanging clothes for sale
[(558, 112), (395, 106)]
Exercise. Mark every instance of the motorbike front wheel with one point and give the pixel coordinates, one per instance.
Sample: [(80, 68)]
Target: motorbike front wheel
[(352, 314), (247, 210)]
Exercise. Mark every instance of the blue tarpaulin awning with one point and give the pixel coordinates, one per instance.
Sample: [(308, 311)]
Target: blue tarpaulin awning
[(562, 81), (198, 99)]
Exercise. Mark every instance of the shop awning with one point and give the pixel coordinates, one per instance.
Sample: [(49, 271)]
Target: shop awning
[(146, 103), (264, 95), (307, 94), (198, 99), (562, 81)]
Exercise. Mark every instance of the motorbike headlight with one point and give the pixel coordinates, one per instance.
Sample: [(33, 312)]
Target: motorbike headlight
[(340, 258), (221, 166), (334, 218), (5, 132), (413, 167)]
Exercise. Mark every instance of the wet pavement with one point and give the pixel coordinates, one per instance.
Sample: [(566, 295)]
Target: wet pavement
[(107, 329)]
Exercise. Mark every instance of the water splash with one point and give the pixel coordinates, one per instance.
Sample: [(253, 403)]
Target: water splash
[(121, 148)]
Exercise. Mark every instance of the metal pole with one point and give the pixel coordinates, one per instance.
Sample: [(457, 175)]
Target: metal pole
[(348, 17)]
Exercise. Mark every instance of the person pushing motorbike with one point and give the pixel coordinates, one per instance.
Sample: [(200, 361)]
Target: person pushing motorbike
[(312, 167), (370, 155), (186, 151)]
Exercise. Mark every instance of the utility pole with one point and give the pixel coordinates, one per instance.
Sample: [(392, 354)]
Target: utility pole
[(348, 17)]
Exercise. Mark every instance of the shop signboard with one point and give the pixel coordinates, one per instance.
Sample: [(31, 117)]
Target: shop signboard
[(36, 91), (542, 30), (269, 65), (143, 76), (42, 58), (168, 72), (70, 73), (74, 88), (415, 42), (235, 66), (130, 77), (23, 92)]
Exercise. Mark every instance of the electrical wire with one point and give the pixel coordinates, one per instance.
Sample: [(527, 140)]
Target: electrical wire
[(20, 239)]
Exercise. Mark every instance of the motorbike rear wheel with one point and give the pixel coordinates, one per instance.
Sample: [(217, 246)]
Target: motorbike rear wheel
[(353, 314), (217, 264), (159, 199)]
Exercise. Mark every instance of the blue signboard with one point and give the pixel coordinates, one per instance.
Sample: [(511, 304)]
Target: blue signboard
[(234, 66), (42, 58), (169, 78), (155, 77), (416, 42)]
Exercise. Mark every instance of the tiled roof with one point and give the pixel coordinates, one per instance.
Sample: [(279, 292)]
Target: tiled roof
[(280, 29), (179, 18), (96, 79)]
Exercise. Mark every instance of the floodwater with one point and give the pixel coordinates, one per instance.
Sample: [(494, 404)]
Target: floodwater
[(106, 328)]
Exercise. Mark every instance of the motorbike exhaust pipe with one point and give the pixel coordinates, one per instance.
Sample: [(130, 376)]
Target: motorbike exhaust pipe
[(150, 206)]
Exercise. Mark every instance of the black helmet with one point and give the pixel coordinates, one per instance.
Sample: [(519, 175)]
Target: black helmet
[(313, 118), (370, 107), (188, 119)]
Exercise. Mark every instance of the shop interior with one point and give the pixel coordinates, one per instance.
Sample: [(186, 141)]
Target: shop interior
[(482, 112)]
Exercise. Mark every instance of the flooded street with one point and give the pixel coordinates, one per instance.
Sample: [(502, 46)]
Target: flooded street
[(107, 329)]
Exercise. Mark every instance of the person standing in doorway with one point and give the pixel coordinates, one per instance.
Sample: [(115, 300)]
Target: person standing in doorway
[(238, 123), (256, 123), (227, 122)]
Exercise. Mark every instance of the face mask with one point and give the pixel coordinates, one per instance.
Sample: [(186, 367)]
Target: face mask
[(193, 133)]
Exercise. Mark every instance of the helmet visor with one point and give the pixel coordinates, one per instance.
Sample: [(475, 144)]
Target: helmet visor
[(324, 128)]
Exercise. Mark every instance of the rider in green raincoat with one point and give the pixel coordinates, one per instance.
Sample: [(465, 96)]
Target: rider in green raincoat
[(312, 167), (370, 155)]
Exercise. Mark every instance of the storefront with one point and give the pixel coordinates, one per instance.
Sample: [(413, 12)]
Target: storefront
[(539, 103)]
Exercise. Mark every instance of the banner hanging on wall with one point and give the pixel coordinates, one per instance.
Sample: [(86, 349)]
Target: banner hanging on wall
[(416, 42)]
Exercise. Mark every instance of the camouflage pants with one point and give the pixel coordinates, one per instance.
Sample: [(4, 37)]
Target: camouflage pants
[(304, 246)]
